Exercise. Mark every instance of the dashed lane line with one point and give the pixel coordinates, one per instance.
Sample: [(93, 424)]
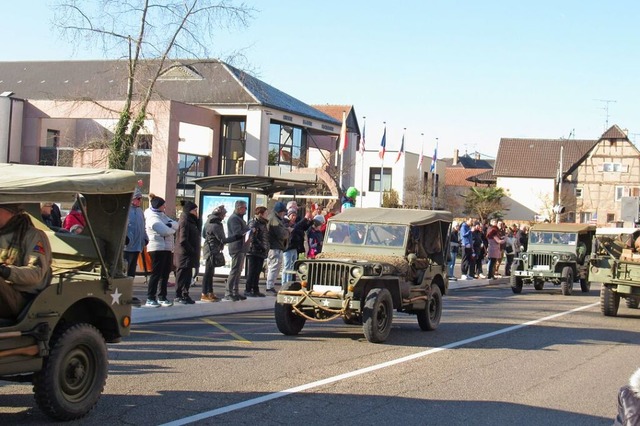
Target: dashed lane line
[(344, 376)]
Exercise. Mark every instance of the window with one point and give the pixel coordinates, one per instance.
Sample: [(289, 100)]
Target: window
[(190, 167), (375, 178), (53, 138), (634, 192), (233, 146), (620, 192), (578, 192), (611, 217), (287, 146), (613, 167), (585, 217)]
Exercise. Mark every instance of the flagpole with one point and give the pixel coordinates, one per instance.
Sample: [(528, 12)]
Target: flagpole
[(342, 147), (384, 135), (364, 128), (420, 171), (433, 178)]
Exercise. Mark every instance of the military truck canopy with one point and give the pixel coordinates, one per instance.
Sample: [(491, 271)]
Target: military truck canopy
[(616, 231), (27, 183), (563, 227), (393, 216), (265, 185)]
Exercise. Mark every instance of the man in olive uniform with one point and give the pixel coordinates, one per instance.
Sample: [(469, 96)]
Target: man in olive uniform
[(25, 260)]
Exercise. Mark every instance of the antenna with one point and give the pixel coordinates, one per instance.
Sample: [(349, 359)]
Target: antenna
[(606, 109)]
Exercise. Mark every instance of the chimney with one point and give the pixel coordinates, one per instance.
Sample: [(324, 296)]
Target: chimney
[(455, 157)]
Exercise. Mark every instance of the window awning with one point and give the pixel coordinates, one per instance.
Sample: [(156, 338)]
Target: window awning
[(264, 185)]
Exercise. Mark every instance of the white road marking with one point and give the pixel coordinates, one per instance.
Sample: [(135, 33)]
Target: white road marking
[(318, 383)]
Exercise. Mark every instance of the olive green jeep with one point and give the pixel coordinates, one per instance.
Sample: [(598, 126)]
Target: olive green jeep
[(616, 265), (373, 261), (58, 342), (556, 253)]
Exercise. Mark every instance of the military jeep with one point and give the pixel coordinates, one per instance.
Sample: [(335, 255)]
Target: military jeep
[(556, 253), (373, 261), (58, 342), (616, 264)]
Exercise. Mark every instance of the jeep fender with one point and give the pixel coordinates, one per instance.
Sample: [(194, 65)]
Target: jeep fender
[(390, 283)]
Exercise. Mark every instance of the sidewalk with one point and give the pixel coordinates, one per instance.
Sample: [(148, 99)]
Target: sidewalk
[(146, 315)]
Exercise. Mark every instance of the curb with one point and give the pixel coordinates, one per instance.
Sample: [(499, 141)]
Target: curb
[(144, 315)]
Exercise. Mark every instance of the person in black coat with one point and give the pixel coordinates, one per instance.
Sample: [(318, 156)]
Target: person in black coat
[(258, 251), (629, 402), (186, 254)]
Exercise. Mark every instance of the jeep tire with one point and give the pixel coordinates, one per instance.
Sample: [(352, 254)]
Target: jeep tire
[(516, 284), (538, 284), (567, 281), (632, 302), (609, 301), (289, 323), (74, 374), (377, 315), (429, 317)]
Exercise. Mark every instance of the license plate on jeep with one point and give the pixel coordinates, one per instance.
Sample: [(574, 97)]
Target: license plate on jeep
[(327, 288), (541, 267)]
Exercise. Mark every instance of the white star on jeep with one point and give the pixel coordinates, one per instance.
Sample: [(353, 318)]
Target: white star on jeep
[(325, 302), (115, 296)]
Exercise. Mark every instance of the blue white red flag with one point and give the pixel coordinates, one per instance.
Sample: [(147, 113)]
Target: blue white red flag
[(434, 159), (383, 143), (401, 150), (421, 157)]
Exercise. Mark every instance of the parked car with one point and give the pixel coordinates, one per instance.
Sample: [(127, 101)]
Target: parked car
[(557, 253), (58, 342), (616, 264), (374, 261)]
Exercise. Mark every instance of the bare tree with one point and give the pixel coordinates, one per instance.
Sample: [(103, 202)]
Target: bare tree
[(148, 34), (485, 202)]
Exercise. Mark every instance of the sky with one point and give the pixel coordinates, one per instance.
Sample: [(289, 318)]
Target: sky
[(460, 72)]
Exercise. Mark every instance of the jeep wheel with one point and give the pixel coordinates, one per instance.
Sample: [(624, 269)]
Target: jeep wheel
[(632, 302), (609, 301), (585, 285), (538, 284), (288, 322), (74, 374), (377, 315), (516, 284), (429, 318), (567, 281)]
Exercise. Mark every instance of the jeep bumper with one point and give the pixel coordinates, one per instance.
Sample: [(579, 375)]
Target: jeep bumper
[(535, 274)]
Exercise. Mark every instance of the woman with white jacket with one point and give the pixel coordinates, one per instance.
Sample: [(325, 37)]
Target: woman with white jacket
[(160, 231)]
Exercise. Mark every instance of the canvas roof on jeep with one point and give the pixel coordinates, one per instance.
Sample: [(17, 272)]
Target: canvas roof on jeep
[(28, 183), (392, 216), (563, 227)]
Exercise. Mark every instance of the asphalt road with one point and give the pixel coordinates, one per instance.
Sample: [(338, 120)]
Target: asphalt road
[(497, 358)]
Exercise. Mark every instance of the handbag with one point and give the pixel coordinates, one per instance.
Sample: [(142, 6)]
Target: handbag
[(219, 260)]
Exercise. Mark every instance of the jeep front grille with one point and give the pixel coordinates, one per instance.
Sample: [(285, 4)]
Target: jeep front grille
[(321, 273), (541, 259)]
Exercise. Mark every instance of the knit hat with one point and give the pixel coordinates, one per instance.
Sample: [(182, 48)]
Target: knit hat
[(292, 211), (220, 211), (292, 205), (11, 207), (137, 193), (280, 207), (188, 206), (318, 220), (157, 202)]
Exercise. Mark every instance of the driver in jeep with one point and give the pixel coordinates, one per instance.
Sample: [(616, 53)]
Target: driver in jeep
[(25, 260)]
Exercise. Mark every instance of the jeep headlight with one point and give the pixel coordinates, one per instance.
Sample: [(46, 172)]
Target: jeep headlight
[(356, 272), (555, 258), (303, 269), (523, 256)]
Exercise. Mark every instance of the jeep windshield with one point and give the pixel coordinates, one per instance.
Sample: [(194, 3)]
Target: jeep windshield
[(368, 234), (556, 238)]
